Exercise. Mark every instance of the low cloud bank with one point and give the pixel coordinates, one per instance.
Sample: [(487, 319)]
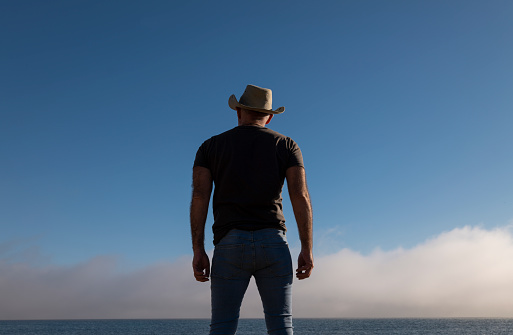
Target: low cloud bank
[(466, 272)]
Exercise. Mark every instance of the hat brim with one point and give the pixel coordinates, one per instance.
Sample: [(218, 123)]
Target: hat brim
[(234, 104)]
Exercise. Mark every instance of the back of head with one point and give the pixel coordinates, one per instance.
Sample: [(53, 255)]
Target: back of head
[(255, 115)]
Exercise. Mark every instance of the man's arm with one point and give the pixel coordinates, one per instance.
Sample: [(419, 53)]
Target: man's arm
[(302, 206), (201, 190)]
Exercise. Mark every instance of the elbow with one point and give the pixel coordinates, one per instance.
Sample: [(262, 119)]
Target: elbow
[(300, 198)]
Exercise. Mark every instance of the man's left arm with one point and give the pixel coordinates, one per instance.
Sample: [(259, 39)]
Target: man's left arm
[(201, 190), (302, 206)]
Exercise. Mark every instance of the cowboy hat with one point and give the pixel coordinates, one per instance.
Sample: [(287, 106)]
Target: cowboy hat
[(257, 99)]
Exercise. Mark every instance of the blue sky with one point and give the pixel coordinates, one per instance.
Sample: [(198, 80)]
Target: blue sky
[(402, 109)]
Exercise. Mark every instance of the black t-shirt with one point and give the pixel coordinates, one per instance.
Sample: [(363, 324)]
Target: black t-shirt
[(248, 165)]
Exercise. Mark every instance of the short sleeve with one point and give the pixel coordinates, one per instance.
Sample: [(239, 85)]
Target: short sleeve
[(296, 157), (201, 156)]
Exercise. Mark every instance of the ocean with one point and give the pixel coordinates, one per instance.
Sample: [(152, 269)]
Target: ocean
[(458, 326)]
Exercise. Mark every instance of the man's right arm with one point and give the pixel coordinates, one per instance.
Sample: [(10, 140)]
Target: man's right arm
[(302, 206), (201, 190)]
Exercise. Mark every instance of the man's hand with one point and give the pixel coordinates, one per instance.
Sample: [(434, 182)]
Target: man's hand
[(304, 265), (201, 266)]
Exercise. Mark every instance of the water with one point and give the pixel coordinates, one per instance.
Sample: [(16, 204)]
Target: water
[(257, 326)]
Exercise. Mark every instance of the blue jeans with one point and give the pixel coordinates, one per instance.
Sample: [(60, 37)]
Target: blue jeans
[(241, 254)]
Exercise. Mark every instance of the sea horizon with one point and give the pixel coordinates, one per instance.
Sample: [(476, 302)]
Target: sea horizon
[(253, 326)]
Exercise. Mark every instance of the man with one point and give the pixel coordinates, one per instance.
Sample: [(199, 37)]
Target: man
[(248, 165)]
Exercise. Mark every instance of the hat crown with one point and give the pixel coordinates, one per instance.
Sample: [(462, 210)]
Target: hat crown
[(257, 97)]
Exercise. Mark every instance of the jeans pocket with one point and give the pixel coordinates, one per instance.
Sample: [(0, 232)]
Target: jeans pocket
[(227, 260), (278, 259)]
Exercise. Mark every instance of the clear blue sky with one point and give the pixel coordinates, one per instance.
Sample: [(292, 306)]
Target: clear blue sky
[(403, 111)]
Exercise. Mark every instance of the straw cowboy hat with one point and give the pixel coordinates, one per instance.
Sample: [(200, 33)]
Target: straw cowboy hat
[(256, 99)]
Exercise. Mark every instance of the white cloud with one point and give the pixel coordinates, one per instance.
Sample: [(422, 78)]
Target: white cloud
[(463, 272), (95, 289)]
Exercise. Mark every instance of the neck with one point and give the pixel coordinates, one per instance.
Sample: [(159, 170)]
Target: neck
[(259, 124), (247, 118)]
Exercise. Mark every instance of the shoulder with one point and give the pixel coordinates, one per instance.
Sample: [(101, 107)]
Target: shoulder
[(223, 135), (220, 136), (283, 140), (273, 132), (279, 136)]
